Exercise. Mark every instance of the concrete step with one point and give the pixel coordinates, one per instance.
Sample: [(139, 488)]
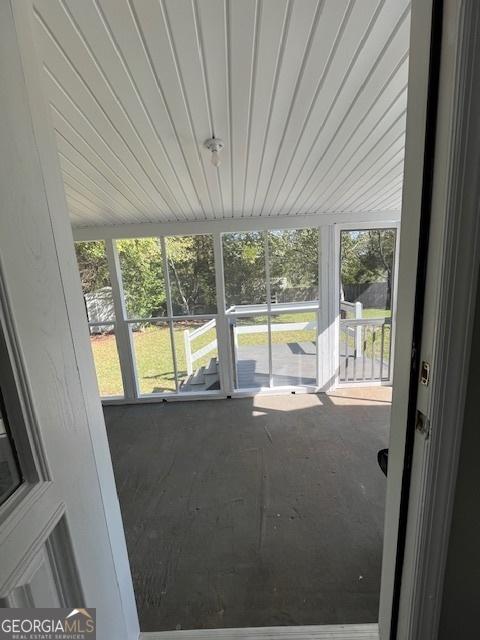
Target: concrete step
[(212, 367), (198, 377)]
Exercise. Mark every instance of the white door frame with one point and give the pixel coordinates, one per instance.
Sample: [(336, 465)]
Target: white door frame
[(453, 258), (451, 288)]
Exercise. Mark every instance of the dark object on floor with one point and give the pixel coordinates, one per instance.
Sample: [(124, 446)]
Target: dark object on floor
[(383, 460), (253, 512)]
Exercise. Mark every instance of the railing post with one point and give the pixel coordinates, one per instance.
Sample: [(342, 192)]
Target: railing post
[(188, 351), (358, 331)]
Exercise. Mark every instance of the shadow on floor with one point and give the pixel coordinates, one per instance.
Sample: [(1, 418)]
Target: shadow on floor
[(252, 512)]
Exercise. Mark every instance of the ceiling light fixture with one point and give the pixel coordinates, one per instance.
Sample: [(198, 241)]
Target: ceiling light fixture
[(215, 145)]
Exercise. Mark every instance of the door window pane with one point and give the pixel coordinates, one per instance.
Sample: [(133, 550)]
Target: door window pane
[(244, 267), (196, 351), (10, 476), (191, 270), (107, 364), (142, 275), (294, 349), (293, 265), (250, 343), (153, 357)]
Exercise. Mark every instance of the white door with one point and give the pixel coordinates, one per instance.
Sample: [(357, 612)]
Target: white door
[(61, 536)]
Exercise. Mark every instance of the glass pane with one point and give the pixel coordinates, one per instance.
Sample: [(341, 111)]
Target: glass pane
[(142, 275), (107, 364), (197, 355), (95, 279), (250, 340), (366, 271), (10, 476), (153, 357), (191, 269), (244, 266), (293, 265), (366, 268), (294, 349)]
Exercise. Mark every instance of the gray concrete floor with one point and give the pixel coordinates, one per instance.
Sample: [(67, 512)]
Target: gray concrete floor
[(253, 512)]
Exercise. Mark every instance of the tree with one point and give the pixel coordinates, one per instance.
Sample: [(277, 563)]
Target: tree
[(368, 256), (92, 264), (142, 274), (294, 264), (191, 268), (244, 267), (141, 271)]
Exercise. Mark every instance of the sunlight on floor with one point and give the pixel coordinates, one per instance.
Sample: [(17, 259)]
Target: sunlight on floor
[(343, 396), (361, 395)]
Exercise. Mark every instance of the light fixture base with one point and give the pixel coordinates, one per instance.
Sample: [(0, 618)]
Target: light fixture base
[(214, 144)]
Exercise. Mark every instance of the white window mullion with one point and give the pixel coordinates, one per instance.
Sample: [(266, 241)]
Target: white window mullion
[(223, 326), (320, 271), (166, 280), (269, 307), (123, 333), (327, 315)]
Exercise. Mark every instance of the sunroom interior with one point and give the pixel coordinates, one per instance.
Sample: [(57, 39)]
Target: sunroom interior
[(233, 172)]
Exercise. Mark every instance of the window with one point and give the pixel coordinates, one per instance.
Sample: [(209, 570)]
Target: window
[(244, 268), (367, 258), (154, 358), (10, 474), (171, 355), (98, 298), (141, 268), (191, 269), (293, 265)]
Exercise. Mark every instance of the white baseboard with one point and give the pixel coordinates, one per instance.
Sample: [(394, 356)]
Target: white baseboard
[(314, 632)]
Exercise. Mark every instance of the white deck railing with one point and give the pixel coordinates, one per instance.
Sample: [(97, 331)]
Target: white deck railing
[(189, 336), (365, 350)]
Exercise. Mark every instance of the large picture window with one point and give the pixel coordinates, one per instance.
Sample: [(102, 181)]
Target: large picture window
[(158, 329)]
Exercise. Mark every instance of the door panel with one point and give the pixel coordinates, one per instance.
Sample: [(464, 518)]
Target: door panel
[(61, 537)]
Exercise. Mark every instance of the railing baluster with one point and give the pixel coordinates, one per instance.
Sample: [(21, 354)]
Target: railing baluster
[(367, 334), (372, 377), (346, 353), (355, 345), (382, 347), (364, 354)]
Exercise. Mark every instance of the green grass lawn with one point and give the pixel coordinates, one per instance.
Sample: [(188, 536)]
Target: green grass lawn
[(153, 350)]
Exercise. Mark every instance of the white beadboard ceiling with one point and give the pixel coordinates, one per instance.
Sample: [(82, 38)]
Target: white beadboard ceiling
[(309, 97)]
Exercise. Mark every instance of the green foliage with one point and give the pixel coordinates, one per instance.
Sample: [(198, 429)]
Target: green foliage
[(142, 274), (367, 256), (244, 267), (141, 267), (294, 264), (92, 264), (192, 274)]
